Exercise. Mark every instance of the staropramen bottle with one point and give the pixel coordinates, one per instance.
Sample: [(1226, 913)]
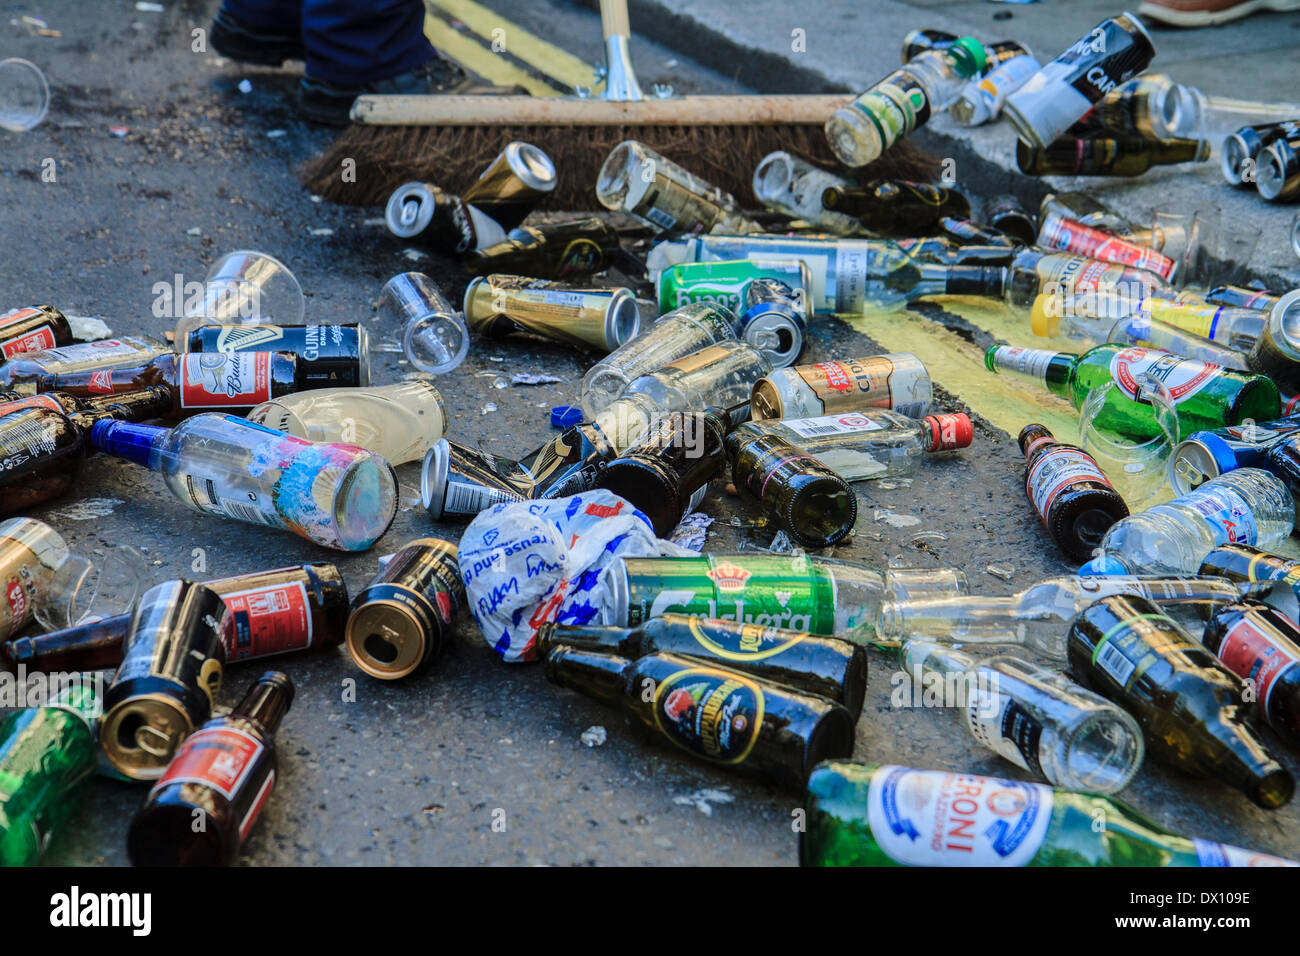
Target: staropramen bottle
[(1200, 391)]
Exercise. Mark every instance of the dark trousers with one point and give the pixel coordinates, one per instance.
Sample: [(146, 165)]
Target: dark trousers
[(349, 42)]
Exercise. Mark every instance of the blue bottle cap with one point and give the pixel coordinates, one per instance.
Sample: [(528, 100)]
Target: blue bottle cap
[(566, 416), (1103, 566)]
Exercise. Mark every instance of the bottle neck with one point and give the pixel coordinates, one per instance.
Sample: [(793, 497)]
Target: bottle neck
[(1053, 369), (268, 701), (607, 640), (602, 677), (1245, 762), (136, 406), (137, 443)]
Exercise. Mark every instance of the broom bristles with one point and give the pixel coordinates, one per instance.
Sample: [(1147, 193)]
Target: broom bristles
[(452, 157)]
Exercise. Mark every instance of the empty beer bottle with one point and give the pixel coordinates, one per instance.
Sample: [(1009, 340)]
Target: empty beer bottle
[(1204, 396), (1247, 565), (559, 250), (896, 206), (1070, 492), (222, 774), (806, 499), (824, 666), (32, 329), (1189, 704), (1028, 714), (1034, 272), (1261, 645), (790, 185), (718, 715), (1107, 157), (24, 371), (46, 755), (864, 815)]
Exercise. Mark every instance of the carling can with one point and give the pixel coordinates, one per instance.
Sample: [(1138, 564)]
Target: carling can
[(401, 621), (899, 382), (770, 591), (773, 320), (724, 283), (1113, 52), (170, 672)]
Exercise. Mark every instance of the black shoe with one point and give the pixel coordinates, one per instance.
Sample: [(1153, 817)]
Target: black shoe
[(330, 104), (235, 39)]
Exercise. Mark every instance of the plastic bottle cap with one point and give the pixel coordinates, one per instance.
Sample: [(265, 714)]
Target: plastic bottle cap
[(1043, 324), (566, 416), (1103, 566), (950, 431), (968, 56)]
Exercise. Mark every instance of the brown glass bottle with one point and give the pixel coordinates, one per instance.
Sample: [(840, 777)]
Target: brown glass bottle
[(666, 474), (1107, 157), (197, 381), (1190, 706), (557, 250), (825, 666), (43, 443), (716, 714), (1070, 492), (298, 608), (22, 373), (810, 502), (896, 206), (31, 329), (221, 777), (1261, 645)]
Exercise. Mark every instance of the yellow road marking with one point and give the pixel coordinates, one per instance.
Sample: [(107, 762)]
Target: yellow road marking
[(546, 57), (479, 59)]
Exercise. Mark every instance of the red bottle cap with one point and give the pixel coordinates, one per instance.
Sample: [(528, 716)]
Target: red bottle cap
[(950, 431)]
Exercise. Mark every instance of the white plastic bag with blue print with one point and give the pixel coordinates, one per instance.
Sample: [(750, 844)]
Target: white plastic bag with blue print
[(529, 562)]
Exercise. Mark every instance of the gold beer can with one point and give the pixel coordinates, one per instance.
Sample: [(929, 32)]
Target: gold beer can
[(504, 304)]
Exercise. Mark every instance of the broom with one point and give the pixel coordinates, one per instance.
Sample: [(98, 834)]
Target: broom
[(449, 140)]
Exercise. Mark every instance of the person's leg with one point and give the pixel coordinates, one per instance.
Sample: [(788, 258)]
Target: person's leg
[(265, 32), (351, 43)]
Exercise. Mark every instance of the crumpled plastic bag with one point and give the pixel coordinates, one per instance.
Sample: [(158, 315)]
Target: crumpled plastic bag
[(528, 562)]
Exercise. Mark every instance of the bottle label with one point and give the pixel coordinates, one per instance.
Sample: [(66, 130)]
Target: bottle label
[(933, 818), (743, 642), (225, 379), (269, 621), (710, 713), (1199, 320), (1064, 234), (469, 498), (1227, 513), (1182, 376), (848, 424), (94, 352), (216, 757), (1074, 275), (1030, 362), (1223, 854), (896, 105), (26, 437), (698, 360), (1128, 650), (1056, 470), (1254, 654), (36, 340), (1002, 725), (223, 498)]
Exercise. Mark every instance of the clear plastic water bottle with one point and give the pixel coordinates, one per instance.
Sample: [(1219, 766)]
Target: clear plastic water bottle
[(1247, 506), (1038, 719), (862, 130)]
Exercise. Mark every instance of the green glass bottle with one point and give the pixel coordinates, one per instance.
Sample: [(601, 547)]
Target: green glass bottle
[(718, 715), (1205, 396), (46, 753), (825, 666), (1192, 709), (863, 815)]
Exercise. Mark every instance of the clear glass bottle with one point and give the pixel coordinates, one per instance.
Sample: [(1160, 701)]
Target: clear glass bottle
[(1039, 720), (339, 496), (1246, 506), (637, 180), (905, 99), (788, 184), (982, 98), (875, 443), (399, 422)]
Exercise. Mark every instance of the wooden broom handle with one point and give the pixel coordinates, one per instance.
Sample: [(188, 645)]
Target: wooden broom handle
[(614, 18), (437, 110)]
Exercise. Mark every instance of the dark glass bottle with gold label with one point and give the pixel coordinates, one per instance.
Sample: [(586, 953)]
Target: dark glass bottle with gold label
[(1191, 707), (558, 250), (1107, 157), (1261, 645), (716, 714), (825, 666), (894, 206), (808, 501), (666, 474), (1069, 491), (222, 776)]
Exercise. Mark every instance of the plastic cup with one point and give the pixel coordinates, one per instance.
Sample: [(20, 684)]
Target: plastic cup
[(24, 95), (1136, 469), (86, 589), (1223, 249), (435, 337), (246, 287)]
